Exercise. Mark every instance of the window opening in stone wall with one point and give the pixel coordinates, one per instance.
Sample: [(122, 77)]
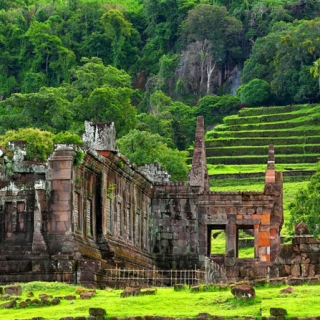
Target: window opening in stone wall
[(109, 216), (89, 218), (142, 230), (145, 232), (129, 228), (76, 211), (137, 228), (2, 217), (21, 216), (7, 217), (98, 205), (216, 240), (245, 242), (120, 219)]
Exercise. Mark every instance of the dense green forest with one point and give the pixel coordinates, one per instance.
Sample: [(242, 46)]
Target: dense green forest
[(151, 66)]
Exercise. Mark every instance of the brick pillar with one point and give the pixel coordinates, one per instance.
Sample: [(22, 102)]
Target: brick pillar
[(269, 239), (198, 175), (59, 224)]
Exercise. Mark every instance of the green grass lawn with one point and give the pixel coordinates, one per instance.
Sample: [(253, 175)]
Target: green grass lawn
[(167, 302)]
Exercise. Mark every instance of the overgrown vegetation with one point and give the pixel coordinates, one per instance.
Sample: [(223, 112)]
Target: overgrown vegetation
[(305, 207)]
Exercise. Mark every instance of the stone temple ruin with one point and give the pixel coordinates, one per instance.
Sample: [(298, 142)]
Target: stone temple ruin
[(71, 218)]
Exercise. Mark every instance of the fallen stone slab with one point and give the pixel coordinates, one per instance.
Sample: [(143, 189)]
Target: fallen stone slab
[(278, 312), (8, 305), (130, 291), (23, 304), (294, 281), (86, 295), (150, 291), (287, 290), (44, 296), (243, 291), (13, 290), (277, 281), (97, 312), (55, 301)]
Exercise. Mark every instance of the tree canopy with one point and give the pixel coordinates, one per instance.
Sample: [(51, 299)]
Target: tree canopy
[(152, 65), (141, 148), (306, 205)]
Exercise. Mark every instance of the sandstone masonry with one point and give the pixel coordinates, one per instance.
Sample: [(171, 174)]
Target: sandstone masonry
[(70, 220)]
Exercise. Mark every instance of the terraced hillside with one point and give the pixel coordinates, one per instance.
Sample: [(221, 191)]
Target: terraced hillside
[(237, 150), (243, 139)]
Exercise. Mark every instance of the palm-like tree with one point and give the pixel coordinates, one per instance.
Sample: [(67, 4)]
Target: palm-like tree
[(315, 70)]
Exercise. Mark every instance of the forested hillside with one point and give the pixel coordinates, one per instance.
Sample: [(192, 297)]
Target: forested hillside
[(152, 66)]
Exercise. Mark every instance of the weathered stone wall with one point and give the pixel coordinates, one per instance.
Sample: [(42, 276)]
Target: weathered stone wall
[(100, 136), (71, 221), (299, 259), (185, 214), (19, 200), (104, 207), (175, 226)]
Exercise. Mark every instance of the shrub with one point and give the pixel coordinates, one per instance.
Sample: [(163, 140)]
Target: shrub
[(255, 93)]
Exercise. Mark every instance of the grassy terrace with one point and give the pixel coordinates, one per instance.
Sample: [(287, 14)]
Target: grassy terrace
[(243, 139), (239, 146), (266, 134), (277, 141), (258, 168), (252, 159)]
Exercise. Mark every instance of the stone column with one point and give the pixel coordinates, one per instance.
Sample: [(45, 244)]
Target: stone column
[(198, 175), (60, 218), (231, 234), (38, 243)]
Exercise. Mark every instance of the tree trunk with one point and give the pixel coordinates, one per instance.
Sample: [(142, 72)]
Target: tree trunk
[(203, 57), (47, 63), (210, 70)]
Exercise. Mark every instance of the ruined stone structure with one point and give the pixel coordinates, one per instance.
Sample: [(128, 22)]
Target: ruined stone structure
[(88, 209), (185, 214)]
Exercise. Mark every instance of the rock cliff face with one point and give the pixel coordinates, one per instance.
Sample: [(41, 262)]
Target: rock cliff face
[(68, 221), (197, 73)]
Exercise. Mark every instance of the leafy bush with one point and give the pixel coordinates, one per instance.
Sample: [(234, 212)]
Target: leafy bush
[(256, 92), (141, 148), (214, 108), (67, 137), (39, 143), (305, 206)]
